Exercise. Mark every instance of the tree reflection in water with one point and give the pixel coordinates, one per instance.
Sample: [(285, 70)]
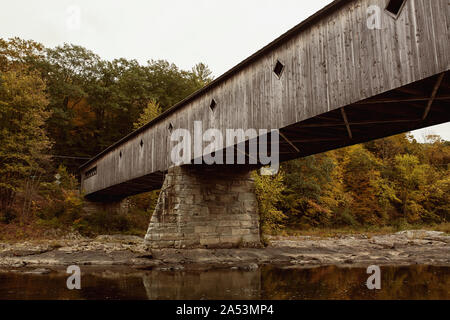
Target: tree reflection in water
[(331, 282)]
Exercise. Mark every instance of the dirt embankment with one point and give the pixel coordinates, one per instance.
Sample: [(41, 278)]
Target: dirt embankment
[(406, 247)]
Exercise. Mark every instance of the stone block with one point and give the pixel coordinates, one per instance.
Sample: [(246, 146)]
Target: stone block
[(251, 241), (224, 230), (170, 236), (220, 187), (240, 231), (189, 243), (204, 229), (248, 224), (215, 210), (235, 210), (231, 239), (228, 223), (245, 217), (210, 241)]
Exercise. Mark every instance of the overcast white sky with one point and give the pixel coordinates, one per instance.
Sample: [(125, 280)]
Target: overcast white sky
[(220, 33)]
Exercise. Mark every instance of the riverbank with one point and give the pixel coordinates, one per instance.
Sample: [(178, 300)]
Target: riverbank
[(402, 248)]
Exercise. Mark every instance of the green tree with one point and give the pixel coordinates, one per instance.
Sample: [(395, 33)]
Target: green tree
[(94, 102), (16, 53), (23, 139), (201, 75)]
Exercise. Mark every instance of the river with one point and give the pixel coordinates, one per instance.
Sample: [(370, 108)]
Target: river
[(267, 282)]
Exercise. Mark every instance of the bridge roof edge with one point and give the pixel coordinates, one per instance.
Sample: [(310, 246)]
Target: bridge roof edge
[(328, 9)]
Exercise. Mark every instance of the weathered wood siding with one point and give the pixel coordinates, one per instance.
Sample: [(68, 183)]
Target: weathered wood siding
[(330, 64)]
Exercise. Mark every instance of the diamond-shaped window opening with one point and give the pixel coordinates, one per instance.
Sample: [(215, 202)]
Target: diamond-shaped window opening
[(170, 127), (141, 143), (278, 69), (394, 7), (120, 154), (213, 105)]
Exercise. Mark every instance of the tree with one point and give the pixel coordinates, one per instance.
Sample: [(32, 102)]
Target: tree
[(306, 180), (269, 192), (387, 148), (23, 139), (435, 200), (361, 172), (15, 53), (201, 75), (436, 152), (152, 110), (410, 175), (93, 102), (70, 72)]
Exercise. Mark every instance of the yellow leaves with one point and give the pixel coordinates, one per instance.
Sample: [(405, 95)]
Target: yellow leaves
[(152, 110), (385, 192), (23, 139), (314, 207), (269, 191), (14, 51), (72, 199)]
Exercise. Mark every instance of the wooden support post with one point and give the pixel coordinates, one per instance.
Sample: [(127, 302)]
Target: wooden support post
[(344, 116), (433, 95), (245, 153), (288, 141)]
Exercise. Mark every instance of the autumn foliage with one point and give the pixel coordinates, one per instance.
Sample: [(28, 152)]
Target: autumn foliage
[(60, 106), (393, 181)]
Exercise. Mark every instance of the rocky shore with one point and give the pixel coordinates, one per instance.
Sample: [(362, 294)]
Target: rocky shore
[(403, 248)]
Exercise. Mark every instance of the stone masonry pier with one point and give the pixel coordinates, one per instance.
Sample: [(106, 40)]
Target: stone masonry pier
[(200, 207)]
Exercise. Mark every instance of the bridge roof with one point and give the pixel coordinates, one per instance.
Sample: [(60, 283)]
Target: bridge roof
[(336, 4)]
